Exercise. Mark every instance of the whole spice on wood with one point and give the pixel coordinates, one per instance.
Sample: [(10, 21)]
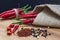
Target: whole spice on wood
[(45, 33)]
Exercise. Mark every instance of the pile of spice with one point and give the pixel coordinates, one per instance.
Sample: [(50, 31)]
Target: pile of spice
[(24, 32)]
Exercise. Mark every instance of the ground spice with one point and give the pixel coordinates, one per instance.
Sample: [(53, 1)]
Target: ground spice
[(24, 32)]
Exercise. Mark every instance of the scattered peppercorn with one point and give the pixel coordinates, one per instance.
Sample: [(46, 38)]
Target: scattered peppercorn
[(32, 29), (44, 33), (21, 28)]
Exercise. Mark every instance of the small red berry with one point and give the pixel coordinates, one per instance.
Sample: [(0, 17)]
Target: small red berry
[(11, 25), (8, 29), (9, 32)]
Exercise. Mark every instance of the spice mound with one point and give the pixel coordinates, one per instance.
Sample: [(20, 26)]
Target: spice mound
[(24, 32)]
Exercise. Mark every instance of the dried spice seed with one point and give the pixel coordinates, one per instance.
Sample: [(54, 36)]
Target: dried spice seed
[(35, 35), (38, 37), (38, 29), (44, 33), (32, 29), (21, 28), (49, 34)]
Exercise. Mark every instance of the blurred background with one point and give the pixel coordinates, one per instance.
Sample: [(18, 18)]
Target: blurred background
[(9, 4)]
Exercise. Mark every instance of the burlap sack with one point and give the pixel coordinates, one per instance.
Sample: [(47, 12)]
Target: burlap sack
[(48, 15)]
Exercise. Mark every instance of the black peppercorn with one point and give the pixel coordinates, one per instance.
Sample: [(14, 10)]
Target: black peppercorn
[(21, 28)]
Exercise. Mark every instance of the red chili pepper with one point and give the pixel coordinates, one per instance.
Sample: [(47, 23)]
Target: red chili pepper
[(11, 25), (6, 12), (15, 28), (27, 21), (9, 13), (22, 15), (2, 14), (29, 16), (12, 17)]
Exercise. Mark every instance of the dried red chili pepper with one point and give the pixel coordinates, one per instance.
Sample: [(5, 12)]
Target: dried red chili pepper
[(9, 13), (27, 21), (6, 12), (28, 16), (24, 32), (15, 28), (11, 25)]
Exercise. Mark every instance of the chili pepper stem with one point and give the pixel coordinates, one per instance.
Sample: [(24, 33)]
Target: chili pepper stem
[(25, 6)]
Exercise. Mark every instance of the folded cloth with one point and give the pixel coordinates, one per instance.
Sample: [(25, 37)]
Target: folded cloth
[(48, 15)]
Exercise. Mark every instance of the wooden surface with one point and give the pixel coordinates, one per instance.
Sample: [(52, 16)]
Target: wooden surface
[(55, 33)]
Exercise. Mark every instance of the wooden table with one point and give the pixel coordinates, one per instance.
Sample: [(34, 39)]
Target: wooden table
[(3, 36)]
